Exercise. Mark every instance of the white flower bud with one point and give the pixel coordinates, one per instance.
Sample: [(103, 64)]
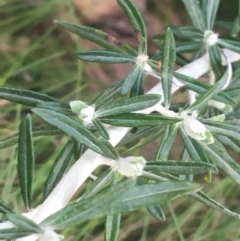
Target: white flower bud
[(210, 37), (77, 106), (131, 166), (221, 106), (87, 114), (196, 130)]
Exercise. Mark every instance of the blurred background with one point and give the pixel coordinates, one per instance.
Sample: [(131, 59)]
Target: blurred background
[(38, 55)]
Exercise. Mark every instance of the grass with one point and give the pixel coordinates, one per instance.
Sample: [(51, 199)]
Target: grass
[(38, 55)]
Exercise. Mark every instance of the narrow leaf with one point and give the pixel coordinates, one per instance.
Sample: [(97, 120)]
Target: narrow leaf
[(26, 160), (168, 64), (138, 135), (215, 61), (201, 87), (104, 56), (203, 99), (57, 106), (70, 127), (36, 131), (88, 208), (105, 180), (134, 17), (108, 149), (13, 233), (112, 226), (138, 87), (24, 223), (4, 207), (194, 13), (128, 105), (157, 212), (166, 142), (24, 97), (230, 44), (100, 128), (203, 198), (211, 10), (134, 75), (138, 120), (108, 95), (179, 167), (219, 156), (59, 167), (94, 35)]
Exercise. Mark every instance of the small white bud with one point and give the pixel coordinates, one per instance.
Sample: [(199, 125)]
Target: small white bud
[(221, 106), (77, 105), (196, 130), (87, 114), (131, 166), (210, 37)]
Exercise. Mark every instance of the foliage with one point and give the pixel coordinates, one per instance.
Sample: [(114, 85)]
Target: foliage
[(208, 124)]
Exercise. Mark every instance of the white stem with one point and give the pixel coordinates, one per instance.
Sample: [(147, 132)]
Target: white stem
[(90, 160)]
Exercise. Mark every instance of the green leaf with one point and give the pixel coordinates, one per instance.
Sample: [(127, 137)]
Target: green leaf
[(79, 149), (152, 194), (26, 160), (215, 60), (108, 149), (108, 95), (194, 149), (57, 106), (203, 198), (229, 44), (223, 128), (94, 35), (24, 223), (236, 26), (138, 87), (4, 207), (168, 63), (100, 128), (24, 97), (138, 135), (187, 46), (201, 87), (229, 143), (138, 120), (188, 32), (105, 180), (134, 75), (13, 233), (211, 11), (121, 197), (112, 226), (194, 13), (157, 212), (36, 131), (128, 105), (134, 17), (104, 56), (59, 168), (203, 99), (219, 156), (168, 138), (88, 208), (70, 127), (179, 167)]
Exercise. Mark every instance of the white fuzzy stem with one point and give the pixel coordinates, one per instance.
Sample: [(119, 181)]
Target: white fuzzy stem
[(90, 160)]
